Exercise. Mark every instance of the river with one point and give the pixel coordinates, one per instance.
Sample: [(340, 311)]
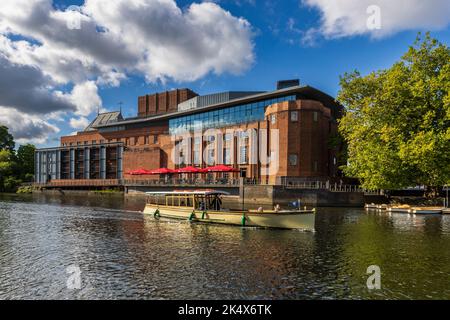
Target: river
[(120, 254)]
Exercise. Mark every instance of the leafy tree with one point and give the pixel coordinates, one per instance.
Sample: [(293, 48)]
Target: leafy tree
[(6, 139), (6, 165), (397, 121), (25, 161)]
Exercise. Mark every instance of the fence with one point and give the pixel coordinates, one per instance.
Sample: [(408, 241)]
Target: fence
[(326, 185), (288, 184)]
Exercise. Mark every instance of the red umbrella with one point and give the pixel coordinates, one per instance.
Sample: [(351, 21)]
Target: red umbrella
[(221, 168), (162, 171), (139, 172), (189, 170)]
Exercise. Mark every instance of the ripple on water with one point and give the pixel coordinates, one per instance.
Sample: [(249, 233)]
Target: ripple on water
[(123, 255)]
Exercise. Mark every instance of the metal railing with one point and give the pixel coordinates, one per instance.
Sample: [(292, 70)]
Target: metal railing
[(81, 183), (305, 185), (326, 185)]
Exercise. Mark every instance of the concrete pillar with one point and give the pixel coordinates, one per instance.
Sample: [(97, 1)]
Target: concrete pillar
[(72, 164), (102, 162), (119, 162), (87, 163), (58, 164)]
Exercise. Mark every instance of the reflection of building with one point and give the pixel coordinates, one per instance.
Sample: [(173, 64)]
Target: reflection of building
[(297, 122)]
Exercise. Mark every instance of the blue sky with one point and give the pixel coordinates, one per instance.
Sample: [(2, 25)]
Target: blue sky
[(280, 52), (277, 58)]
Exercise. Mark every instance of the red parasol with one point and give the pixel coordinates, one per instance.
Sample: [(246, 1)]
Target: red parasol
[(189, 170), (139, 172), (221, 168), (162, 171)]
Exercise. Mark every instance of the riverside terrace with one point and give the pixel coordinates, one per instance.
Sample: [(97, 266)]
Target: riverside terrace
[(293, 124)]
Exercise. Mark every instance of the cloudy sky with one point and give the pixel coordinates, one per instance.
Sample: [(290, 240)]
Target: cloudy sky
[(62, 60)]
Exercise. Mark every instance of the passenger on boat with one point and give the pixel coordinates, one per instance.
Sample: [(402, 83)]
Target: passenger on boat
[(277, 208), (260, 210)]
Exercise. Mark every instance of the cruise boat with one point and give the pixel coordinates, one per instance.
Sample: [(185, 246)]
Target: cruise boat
[(206, 206)]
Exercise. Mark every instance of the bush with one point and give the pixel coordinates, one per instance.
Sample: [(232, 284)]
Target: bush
[(11, 184), (25, 189)]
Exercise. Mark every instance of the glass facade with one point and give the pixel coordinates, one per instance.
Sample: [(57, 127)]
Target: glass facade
[(225, 117)]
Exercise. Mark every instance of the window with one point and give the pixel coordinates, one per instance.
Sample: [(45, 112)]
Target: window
[(227, 156), (293, 159), (155, 139), (294, 116), (211, 156), (316, 116), (94, 141), (243, 156), (146, 140), (197, 160), (273, 118), (316, 166), (136, 141)]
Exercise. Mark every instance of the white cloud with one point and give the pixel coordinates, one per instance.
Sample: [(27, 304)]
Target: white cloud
[(85, 97), (342, 18), (26, 128), (117, 38), (79, 123)]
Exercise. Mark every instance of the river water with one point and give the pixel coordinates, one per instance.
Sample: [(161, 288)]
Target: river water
[(121, 254)]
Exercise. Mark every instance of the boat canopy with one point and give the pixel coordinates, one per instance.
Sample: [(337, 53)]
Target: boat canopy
[(189, 192)]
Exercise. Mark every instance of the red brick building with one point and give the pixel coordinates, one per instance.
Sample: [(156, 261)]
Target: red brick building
[(267, 136)]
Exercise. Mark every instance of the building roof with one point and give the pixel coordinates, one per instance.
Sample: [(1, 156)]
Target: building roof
[(105, 119), (305, 92)]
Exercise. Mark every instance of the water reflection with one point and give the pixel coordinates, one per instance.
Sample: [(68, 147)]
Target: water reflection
[(124, 255)]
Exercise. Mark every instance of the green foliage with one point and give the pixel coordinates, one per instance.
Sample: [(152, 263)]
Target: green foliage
[(397, 121), (6, 139), (25, 189), (14, 167), (25, 159), (11, 184)]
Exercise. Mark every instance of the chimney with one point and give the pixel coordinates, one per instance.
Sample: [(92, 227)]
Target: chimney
[(284, 84)]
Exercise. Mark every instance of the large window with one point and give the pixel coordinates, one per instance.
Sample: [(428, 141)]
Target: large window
[(293, 159), (294, 116), (227, 156), (225, 117), (243, 155)]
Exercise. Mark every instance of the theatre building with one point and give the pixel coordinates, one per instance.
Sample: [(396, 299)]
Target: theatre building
[(266, 137)]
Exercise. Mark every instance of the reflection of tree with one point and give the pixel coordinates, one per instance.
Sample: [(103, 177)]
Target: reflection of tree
[(412, 261)]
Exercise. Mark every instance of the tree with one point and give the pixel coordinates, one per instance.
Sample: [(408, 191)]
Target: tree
[(25, 161), (6, 165), (397, 121), (6, 139)]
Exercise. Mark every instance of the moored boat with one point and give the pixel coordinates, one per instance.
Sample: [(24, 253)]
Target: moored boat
[(371, 206), (206, 206), (399, 209), (427, 210)]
